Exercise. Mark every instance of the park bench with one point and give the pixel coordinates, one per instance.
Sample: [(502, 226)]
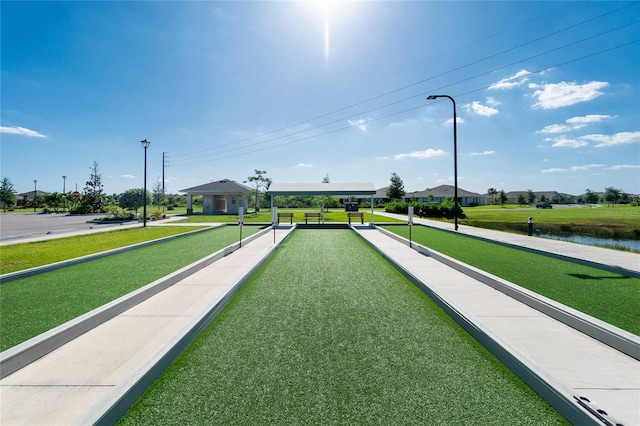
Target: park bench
[(308, 216), (285, 216), (355, 215)]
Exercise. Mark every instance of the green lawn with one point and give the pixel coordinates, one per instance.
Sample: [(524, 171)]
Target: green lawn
[(621, 222), (16, 257), (328, 332), (610, 297), (33, 305)]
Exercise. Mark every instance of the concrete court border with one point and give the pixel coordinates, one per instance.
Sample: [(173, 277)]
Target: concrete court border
[(555, 393), (112, 407), (17, 357), (615, 337)]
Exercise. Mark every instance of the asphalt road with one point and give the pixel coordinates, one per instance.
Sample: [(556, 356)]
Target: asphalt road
[(18, 226)]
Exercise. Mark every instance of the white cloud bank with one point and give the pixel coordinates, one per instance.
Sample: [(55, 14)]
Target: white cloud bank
[(602, 141), (21, 131), (559, 95), (573, 168), (360, 124), (622, 138), (427, 153), (477, 108), (575, 123), (483, 153), (516, 80)]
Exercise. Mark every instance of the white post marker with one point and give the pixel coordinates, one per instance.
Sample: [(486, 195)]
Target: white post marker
[(240, 221), (274, 218), (410, 223)]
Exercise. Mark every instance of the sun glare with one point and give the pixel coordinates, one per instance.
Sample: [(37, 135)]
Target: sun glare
[(326, 8)]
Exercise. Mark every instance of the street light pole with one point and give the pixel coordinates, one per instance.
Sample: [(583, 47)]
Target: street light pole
[(35, 194), (455, 157), (145, 144), (64, 192)]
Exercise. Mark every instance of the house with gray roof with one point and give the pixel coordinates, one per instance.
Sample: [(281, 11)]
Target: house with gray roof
[(442, 192), (221, 197)]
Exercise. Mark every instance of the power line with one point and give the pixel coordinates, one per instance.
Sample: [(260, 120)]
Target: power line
[(216, 150)]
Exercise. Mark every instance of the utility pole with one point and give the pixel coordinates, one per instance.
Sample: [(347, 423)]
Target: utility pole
[(163, 166)]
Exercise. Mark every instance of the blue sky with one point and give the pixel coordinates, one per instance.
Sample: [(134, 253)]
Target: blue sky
[(547, 93)]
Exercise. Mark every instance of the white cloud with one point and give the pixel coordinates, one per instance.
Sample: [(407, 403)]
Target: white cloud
[(483, 153), (558, 95), (304, 165), (518, 79), (449, 122), (555, 128), (611, 140), (574, 123), (573, 168), (128, 176), (479, 109), (587, 119), (427, 153), (21, 131), (492, 101), (563, 142), (360, 124), (624, 166)]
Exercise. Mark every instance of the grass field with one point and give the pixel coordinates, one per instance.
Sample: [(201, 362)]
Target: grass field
[(620, 222), (33, 305), (16, 257), (327, 332), (610, 297)]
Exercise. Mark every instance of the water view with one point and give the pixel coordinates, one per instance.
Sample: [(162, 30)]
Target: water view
[(632, 245)]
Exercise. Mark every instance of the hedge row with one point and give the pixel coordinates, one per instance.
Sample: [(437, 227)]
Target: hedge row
[(433, 210)]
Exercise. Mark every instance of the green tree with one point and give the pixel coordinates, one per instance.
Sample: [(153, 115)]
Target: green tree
[(531, 197), (396, 188), (94, 197), (7, 193), (329, 200), (522, 199), (259, 180), (502, 197), (612, 195), (492, 192), (133, 199), (53, 200), (157, 197)]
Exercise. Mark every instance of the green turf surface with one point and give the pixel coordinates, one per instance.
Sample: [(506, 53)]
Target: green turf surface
[(16, 257), (327, 332), (33, 305), (610, 297)]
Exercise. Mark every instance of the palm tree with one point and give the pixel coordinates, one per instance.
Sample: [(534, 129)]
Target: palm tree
[(492, 192)]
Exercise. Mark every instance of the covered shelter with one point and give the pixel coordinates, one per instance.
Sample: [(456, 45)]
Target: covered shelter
[(321, 189), (221, 197)]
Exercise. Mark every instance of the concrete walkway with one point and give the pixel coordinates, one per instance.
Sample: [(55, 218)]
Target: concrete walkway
[(73, 384)]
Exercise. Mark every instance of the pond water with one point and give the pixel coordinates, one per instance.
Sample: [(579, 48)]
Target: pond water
[(633, 245)]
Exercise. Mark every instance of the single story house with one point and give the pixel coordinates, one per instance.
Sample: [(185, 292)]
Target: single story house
[(442, 192), (221, 197)]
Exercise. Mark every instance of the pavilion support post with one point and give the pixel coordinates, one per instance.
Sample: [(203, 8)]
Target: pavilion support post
[(322, 213), (372, 211), (189, 204)]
